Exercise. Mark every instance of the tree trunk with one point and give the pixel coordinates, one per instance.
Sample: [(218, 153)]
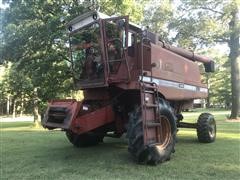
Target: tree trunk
[(22, 105), (8, 104), (14, 109), (234, 57), (36, 114)]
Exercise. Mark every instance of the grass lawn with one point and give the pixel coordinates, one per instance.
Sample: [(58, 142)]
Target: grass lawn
[(30, 153)]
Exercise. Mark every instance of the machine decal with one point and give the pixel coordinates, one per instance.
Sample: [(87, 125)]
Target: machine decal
[(173, 84)]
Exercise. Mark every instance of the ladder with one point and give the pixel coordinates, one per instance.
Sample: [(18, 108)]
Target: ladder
[(150, 113)]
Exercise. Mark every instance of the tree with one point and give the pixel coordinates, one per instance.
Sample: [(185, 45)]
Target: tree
[(35, 40), (123, 7), (233, 43), (158, 17), (18, 86), (219, 81), (201, 24)]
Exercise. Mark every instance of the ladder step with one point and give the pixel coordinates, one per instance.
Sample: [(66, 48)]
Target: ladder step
[(115, 60), (154, 144), (150, 92), (150, 105), (150, 86), (153, 124)]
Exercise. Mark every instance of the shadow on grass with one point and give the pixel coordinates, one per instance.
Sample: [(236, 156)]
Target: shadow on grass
[(51, 155), (53, 146), (110, 150), (187, 140)]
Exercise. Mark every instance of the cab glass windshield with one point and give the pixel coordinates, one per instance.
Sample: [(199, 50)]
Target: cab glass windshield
[(86, 56)]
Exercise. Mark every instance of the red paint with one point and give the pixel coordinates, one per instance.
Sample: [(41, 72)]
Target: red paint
[(92, 120)]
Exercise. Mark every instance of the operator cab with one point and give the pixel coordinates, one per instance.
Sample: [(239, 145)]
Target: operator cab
[(86, 54), (97, 46)]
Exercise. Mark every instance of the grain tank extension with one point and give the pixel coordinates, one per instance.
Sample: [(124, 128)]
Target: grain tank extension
[(132, 83)]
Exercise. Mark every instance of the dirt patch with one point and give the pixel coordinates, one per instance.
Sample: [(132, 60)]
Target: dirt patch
[(233, 120)]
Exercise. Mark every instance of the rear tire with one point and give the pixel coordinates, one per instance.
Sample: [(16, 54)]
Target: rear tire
[(84, 140), (151, 153), (206, 128)]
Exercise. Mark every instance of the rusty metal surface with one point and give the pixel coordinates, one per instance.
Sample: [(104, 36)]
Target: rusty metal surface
[(173, 70), (185, 53), (179, 78), (92, 120), (150, 110), (79, 117), (171, 63)]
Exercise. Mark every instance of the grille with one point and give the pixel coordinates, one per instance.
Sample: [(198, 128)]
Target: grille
[(57, 114)]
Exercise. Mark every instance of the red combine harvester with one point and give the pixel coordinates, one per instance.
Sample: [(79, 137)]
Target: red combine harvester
[(133, 83)]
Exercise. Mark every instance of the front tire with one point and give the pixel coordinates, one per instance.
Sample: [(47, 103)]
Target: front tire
[(84, 140), (206, 128), (152, 153)]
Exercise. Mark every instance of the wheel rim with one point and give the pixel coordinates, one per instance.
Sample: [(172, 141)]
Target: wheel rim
[(164, 133), (212, 129)]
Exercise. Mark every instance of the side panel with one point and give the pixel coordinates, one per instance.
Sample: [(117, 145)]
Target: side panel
[(177, 77), (173, 67), (80, 117), (173, 90), (93, 120)]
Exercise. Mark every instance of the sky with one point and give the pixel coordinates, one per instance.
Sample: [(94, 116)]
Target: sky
[(3, 6)]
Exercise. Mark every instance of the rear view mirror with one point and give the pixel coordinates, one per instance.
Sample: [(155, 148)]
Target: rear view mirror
[(121, 24), (209, 67)]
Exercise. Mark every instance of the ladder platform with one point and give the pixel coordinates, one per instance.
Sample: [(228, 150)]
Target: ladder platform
[(149, 92), (150, 86), (148, 105), (153, 124)]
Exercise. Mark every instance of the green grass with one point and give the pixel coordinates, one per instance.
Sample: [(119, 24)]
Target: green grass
[(30, 153)]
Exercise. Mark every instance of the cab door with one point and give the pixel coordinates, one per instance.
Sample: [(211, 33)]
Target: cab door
[(115, 33)]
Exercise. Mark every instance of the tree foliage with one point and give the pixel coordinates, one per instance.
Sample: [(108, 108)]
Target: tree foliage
[(158, 17), (123, 7), (34, 39), (206, 23), (219, 82)]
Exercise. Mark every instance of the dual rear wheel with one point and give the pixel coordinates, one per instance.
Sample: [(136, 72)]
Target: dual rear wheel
[(206, 128)]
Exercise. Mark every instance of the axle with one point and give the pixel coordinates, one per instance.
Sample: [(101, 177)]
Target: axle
[(187, 125)]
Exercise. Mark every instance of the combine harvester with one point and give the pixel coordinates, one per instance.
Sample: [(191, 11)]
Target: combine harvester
[(132, 83)]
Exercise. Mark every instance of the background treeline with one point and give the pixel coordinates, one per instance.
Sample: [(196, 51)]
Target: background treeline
[(34, 51)]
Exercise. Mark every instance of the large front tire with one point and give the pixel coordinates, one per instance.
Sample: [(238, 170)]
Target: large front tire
[(84, 140), (152, 153)]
